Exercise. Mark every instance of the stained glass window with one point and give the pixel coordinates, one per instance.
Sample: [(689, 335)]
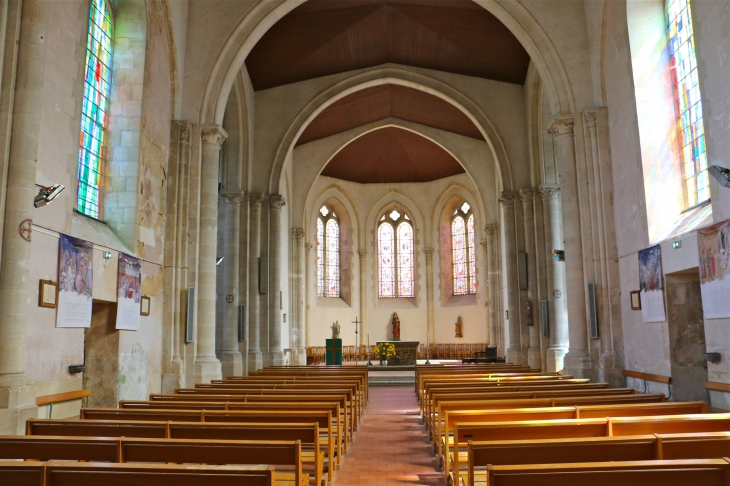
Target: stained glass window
[(688, 102), (94, 109), (328, 253), (396, 257), (463, 251)]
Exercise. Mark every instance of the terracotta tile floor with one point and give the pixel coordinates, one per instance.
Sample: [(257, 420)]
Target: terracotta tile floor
[(390, 446)]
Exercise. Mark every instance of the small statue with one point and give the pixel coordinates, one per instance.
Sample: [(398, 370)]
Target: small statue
[(336, 330), (528, 312), (396, 327), (459, 331)]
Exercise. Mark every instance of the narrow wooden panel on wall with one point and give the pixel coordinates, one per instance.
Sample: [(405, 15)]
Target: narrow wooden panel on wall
[(544, 318), (190, 329), (242, 323), (593, 311)]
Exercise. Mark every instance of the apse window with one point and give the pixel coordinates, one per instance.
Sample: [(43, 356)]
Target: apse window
[(94, 108), (688, 102), (462, 251), (395, 256), (328, 253)]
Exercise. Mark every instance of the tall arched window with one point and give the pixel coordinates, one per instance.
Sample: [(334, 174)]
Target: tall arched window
[(328, 253), (688, 102), (462, 251), (395, 256), (94, 109)]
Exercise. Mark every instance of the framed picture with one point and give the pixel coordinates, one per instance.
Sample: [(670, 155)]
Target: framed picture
[(48, 294), (144, 309), (636, 300)]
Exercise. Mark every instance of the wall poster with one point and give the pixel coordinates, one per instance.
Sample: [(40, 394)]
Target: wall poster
[(129, 292), (651, 284), (75, 279), (713, 244)]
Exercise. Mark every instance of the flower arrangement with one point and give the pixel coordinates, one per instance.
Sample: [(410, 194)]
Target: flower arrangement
[(385, 350)]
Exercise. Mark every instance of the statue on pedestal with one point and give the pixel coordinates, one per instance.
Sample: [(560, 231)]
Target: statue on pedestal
[(528, 312), (459, 330), (336, 330), (396, 327)]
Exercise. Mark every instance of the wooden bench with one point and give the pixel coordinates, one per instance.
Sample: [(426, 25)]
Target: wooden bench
[(54, 473), (307, 434), (715, 445), (705, 472), (667, 380), (209, 452), (62, 397), (332, 381)]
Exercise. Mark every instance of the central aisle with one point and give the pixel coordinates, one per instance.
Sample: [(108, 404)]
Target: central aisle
[(391, 446)]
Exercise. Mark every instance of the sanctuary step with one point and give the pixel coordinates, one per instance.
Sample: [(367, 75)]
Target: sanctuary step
[(392, 378)]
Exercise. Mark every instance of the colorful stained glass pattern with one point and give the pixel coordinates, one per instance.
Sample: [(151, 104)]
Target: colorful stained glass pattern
[(405, 260), (94, 109), (688, 101), (332, 265), (459, 256), (472, 255), (386, 260), (320, 258)]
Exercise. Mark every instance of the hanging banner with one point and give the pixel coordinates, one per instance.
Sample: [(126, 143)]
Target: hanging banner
[(75, 282), (129, 292), (713, 244), (651, 283)]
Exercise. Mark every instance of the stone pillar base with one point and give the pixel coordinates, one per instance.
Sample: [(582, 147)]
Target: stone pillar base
[(205, 371), (555, 360), (231, 364), (170, 381), (276, 357), (255, 361), (580, 367), (514, 355), (299, 356), (534, 358), (17, 404)]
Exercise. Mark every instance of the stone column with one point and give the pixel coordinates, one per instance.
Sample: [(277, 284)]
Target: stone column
[(276, 354), (307, 284), (533, 352), (363, 292), (514, 350), (577, 357), (17, 398), (492, 266), (429, 294), (207, 366), (231, 359), (557, 310), (300, 352), (255, 361)]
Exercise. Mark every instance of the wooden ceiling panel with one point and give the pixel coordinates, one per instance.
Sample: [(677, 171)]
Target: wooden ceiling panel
[(324, 37), (392, 155), (385, 101)]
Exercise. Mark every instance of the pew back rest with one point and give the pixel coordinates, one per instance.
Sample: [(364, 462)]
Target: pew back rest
[(669, 424), (530, 429), (710, 445), (638, 410), (97, 428), (508, 415)]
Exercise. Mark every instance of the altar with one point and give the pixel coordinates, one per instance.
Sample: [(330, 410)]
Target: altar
[(407, 351)]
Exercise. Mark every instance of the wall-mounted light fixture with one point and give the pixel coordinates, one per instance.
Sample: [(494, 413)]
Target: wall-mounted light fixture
[(107, 255), (559, 255), (721, 175), (47, 194), (218, 261)]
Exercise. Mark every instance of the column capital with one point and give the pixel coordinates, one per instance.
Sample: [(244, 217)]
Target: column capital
[(590, 117), (255, 199), (507, 198), (185, 127), (428, 252), (308, 246), (491, 229), (484, 243), (297, 233), (232, 196), (362, 253), (562, 125), (549, 192), (213, 135), (526, 194), (276, 201)]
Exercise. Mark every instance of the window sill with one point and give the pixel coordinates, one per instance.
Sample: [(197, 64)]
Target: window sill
[(89, 217), (461, 300), (397, 302), (332, 302)]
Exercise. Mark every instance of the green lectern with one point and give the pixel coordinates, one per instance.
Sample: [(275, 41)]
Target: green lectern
[(334, 352)]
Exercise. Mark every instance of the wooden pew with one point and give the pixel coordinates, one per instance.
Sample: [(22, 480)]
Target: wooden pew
[(308, 434), (707, 472), (55, 473), (713, 445), (209, 452)]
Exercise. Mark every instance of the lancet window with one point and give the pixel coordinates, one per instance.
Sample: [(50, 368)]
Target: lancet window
[(328, 253), (463, 251), (395, 244)]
